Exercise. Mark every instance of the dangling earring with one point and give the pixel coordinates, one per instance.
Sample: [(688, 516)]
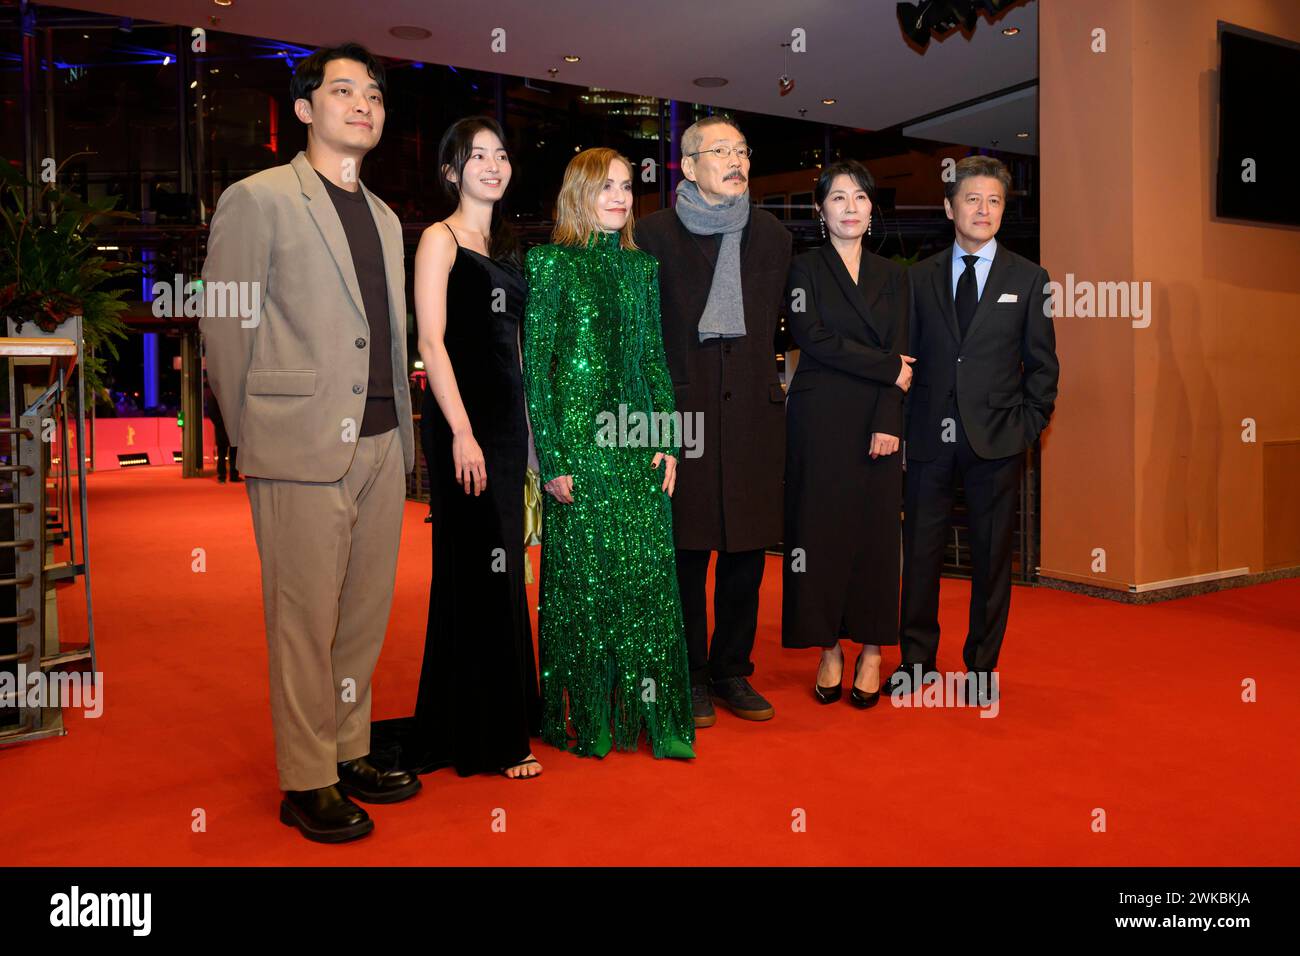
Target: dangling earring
[(869, 226), (822, 222)]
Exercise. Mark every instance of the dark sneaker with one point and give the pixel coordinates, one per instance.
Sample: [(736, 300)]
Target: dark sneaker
[(737, 696), (702, 706)]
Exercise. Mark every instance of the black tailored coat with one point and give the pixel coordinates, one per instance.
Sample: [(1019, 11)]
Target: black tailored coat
[(729, 498), (842, 507)]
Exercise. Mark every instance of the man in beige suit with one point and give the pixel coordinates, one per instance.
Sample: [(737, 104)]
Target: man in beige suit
[(305, 326)]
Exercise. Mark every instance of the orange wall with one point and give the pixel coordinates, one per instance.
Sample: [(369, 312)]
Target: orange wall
[(1086, 170), (1144, 456)]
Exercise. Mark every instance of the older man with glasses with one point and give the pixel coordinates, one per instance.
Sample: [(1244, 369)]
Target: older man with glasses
[(722, 274)]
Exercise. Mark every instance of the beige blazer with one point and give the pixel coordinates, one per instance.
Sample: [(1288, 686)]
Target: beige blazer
[(291, 379)]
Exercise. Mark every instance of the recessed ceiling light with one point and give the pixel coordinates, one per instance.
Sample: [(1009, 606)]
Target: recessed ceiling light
[(710, 81), (572, 58), (1011, 31), (829, 101), (223, 3), (1022, 136), (410, 33)]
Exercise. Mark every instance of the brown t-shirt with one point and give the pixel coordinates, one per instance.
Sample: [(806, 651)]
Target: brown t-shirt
[(368, 260)]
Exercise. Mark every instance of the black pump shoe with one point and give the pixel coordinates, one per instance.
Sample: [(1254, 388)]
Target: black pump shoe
[(829, 695), (860, 698), (324, 815)]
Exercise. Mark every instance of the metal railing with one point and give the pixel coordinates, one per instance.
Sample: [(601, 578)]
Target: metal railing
[(36, 515)]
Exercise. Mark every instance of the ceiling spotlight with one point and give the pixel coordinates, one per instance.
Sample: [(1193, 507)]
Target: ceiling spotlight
[(410, 33), (1011, 32), (1022, 136), (828, 101), (572, 58), (785, 84), (223, 3)]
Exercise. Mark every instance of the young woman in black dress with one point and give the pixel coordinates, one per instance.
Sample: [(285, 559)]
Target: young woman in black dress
[(478, 703)]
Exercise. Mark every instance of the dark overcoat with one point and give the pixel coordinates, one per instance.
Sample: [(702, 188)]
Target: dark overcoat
[(842, 506), (729, 487)]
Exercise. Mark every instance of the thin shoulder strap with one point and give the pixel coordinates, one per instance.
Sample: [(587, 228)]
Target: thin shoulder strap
[(452, 231)]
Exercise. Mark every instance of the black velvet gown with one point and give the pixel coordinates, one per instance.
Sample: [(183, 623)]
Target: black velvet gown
[(478, 700)]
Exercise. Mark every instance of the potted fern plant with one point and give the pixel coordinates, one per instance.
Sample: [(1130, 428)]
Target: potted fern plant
[(52, 282)]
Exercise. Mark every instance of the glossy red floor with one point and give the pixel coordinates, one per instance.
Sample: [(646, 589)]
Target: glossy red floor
[(1133, 710)]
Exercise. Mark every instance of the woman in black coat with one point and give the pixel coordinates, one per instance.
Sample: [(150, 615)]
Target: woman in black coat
[(848, 313)]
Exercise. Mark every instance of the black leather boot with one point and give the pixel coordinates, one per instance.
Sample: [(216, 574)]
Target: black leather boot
[(363, 780), (324, 815)]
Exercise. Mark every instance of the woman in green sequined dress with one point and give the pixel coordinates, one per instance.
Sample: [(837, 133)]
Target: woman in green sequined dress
[(610, 632)]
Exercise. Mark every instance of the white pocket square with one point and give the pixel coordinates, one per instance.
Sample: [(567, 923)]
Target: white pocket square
[(1008, 297)]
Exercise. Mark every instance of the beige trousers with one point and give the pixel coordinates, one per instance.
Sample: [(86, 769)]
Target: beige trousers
[(329, 562)]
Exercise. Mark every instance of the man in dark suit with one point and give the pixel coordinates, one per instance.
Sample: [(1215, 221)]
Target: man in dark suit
[(722, 274), (983, 390)]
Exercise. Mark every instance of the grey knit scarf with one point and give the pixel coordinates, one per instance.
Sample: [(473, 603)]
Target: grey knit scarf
[(724, 312)]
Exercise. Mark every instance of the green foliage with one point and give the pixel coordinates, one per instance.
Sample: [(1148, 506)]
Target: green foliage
[(49, 269)]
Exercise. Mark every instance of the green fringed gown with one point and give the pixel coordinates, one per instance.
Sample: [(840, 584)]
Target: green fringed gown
[(610, 634)]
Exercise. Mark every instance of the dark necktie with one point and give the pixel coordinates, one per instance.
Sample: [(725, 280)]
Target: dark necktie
[(968, 294)]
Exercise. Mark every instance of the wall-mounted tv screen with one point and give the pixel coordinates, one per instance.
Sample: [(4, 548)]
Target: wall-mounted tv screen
[(1259, 89)]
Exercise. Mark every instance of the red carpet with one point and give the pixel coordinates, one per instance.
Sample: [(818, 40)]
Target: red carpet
[(1133, 710)]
